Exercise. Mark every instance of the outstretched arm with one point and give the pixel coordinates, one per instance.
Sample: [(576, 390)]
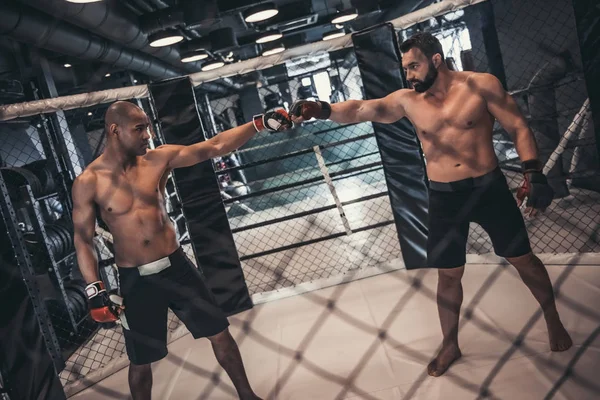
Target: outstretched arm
[(84, 224), (385, 110), (225, 142), (504, 108)]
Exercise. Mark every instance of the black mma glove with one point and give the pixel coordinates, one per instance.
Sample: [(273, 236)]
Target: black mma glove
[(104, 308), (273, 121), (311, 109), (535, 187)]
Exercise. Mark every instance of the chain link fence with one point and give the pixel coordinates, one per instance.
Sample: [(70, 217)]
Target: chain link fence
[(312, 204), (47, 153), (532, 47)]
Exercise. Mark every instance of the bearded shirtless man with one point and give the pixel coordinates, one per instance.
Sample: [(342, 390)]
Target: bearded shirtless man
[(126, 186), (453, 114)]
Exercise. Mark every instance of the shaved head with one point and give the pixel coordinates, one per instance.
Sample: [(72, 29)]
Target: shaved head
[(119, 113), (127, 128)]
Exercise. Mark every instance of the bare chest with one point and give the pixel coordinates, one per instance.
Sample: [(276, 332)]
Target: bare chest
[(460, 112), (119, 194)]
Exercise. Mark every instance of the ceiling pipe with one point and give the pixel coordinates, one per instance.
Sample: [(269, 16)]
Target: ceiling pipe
[(113, 21), (30, 26)]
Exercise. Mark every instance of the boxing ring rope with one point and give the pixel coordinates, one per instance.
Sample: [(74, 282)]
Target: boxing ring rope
[(26, 109), (580, 122)]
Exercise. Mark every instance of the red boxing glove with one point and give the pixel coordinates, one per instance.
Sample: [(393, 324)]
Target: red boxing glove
[(311, 109), (103, 308), (273, 121)]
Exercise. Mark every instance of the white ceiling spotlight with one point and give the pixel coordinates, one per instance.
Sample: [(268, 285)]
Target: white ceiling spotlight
[(268, 37), (83, 1), (334, 34), (345, 16), (67, 65), (260, 12), (194, 56), (274, 50), (164, 38), (213, 64)]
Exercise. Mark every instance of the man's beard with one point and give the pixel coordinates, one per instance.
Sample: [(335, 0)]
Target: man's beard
[(427, 83)]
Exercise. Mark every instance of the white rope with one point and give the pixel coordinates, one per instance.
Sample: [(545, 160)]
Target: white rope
[(26, 109), (576, 123), (30, 108), (258, 63)]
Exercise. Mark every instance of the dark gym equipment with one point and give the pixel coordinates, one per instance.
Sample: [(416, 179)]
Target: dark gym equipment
[(44, 175), (16, 177)]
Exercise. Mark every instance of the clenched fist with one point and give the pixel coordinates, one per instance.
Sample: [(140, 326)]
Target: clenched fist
[(303, 110), (273, 121)]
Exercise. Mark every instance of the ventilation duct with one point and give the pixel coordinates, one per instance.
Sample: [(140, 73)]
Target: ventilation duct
[(109, 19), (30, 26)]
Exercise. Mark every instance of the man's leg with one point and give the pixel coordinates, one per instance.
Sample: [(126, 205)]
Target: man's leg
[(140, 381), (229, 357), (449, 300), (535, 276)]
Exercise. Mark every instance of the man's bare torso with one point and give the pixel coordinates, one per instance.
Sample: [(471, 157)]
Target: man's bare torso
[(132, 205), (456, 132)]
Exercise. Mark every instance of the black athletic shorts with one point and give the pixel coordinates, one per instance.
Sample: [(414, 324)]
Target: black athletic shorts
[(485, 200), (150, 290)]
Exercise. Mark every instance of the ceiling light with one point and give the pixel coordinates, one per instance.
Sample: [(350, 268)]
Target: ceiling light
[(191, 57), (344, 16), (260, 12), (107, 75), (274, 50), (83, 1), (333, 35), (164, 38), (67, 65), (212, 65), (90, 114), (269, 37), (454, 15)]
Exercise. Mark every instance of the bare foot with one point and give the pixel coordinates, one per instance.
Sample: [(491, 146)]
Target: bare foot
[(559, 337), (447, 355)]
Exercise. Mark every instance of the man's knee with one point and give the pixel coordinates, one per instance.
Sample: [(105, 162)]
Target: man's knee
[(221, 337), (524, 261), (451, 276)]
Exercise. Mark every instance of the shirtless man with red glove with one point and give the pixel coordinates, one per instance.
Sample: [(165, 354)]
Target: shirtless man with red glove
[(453, 114), (126, 184)]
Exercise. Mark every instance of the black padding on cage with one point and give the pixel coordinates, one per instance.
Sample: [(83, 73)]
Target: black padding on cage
[(380, 66), (587, 18), (202, 206), (25, 365)]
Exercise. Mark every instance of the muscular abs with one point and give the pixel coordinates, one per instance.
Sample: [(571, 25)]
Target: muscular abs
[(132, 205), (456, 133)]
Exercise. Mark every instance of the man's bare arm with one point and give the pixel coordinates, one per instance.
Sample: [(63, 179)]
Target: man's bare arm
[(504, 108), (385, 110), (224, 143), (84, 224)]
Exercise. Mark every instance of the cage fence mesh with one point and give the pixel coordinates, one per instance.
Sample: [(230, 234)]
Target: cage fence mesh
[(294, 199), (312, 203)]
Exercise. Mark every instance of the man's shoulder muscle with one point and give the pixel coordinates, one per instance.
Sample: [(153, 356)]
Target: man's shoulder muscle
[(84, 186), (485, 84)]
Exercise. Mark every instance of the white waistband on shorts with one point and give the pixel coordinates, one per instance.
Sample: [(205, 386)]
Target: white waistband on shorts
[(154, 267)]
